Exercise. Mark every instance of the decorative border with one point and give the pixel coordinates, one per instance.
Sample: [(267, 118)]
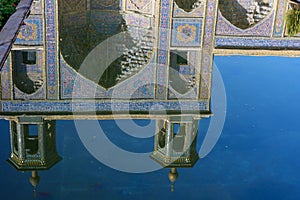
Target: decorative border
[(267, 43), (163, 49), (51, 49), (207, 56), (279, 21), (92, 106)]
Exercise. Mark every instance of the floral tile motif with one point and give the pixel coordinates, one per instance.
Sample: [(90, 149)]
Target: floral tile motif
[(32, 32), (186, 32), (279, 21)]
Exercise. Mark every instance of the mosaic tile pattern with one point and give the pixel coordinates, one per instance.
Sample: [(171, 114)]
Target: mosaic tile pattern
[(198, 12), (138, 20), (40, 94), (186, 32), (143, 6), (31, 33), (266, 43), (264, 28), (163, 46), (92, 106), (279, 23), (140, 86), (51, 46), (6, 80), (36, 7)]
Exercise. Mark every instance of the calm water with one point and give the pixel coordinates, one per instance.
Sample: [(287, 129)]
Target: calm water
[(256, 157)]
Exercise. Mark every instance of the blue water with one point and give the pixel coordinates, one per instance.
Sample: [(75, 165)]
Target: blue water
[(256, 157)]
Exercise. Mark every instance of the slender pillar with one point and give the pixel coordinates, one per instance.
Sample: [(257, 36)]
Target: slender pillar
[(21, 142), (169, 131)]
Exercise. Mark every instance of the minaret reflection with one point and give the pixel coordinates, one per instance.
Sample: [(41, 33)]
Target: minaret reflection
[(33, 146), (175, 144), (34, 180), (173, 175)]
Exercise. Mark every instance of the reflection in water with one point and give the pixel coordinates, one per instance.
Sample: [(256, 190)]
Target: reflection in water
[(34, 180), (174, 146), (33, 146), (173, 175), (33, 151)]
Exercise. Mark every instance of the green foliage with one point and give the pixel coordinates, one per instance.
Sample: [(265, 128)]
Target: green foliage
[(293, 22), (7, 7)]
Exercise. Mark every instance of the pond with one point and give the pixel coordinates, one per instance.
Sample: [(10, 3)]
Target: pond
[(254, 158)]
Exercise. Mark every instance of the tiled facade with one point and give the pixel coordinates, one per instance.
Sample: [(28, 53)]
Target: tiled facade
[(201, 29)]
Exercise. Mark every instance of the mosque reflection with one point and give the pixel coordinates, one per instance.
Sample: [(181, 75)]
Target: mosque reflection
[(33, 145)]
